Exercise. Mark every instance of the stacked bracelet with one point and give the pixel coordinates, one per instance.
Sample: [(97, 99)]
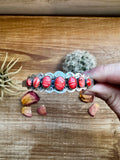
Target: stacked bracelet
[(59, 82)]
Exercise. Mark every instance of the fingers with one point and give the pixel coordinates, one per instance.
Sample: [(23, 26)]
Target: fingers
[(106, 73), (107, 76), (110, 94)]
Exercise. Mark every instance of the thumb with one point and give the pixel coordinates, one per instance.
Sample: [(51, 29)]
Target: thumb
[(109, 93)]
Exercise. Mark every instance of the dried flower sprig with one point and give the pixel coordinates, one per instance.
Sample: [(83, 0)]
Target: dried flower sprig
[(6, 78)]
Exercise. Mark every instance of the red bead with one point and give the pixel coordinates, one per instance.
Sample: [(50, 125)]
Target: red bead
[(46, 82), (89, 82), (81, 82), (29, 82), (36, 82), (59, 83), (72, 82)]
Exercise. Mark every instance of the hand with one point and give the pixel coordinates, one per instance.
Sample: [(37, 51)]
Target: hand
[(107, 86)]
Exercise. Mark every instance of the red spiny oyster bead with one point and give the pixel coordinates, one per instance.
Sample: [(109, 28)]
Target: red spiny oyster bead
[(72, 82), (36, 82), (60, 83), (29, 82), (81, 82), (89, 82), (46, 82)]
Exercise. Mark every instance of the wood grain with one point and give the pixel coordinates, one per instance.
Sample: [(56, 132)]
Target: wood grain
[(67, 132), (61, 7)]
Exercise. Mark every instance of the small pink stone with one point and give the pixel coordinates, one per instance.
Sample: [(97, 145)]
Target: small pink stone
[(72, 82), (36, 82), (60, 83), (93, 109), (42, 110)]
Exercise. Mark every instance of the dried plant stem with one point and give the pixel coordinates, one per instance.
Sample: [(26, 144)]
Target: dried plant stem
[(6, 83), (12, 73), (11, 93), (9, 63), (12, 64), (8, 80), (2, 85), (9, 90), (2, 93), (2, 90), (4, 62), (13, 86)]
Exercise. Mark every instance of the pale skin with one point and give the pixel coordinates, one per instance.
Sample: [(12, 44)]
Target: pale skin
[(107, 86)]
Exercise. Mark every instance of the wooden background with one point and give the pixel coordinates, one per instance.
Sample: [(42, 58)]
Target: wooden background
[(67, 132), (61, 7)]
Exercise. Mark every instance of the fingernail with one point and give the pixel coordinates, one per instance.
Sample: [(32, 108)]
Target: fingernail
[(86, 72), (88, 92), (89, 73)]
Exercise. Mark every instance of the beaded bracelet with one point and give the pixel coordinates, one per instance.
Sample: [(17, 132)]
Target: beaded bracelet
[(58, 82)]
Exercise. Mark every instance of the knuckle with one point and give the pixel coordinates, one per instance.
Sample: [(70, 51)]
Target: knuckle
[(113, 101)]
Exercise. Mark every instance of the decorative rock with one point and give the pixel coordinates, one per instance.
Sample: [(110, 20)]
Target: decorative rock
[(29, 82), (81, 82), (93, 109), (89, 82), (60, 83), (36, 82), (72, 82), (46, 82), (42, 110), (26, 111)]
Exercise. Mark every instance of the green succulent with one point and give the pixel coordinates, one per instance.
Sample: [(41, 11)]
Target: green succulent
[(78, 61)]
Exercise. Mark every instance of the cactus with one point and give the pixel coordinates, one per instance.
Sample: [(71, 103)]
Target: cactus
[(78, 61)]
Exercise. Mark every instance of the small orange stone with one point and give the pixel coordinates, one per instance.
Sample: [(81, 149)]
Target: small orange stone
[(86, 98)]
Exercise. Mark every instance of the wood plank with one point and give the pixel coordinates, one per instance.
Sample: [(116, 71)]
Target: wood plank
[(61, 7), (67, 132)]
